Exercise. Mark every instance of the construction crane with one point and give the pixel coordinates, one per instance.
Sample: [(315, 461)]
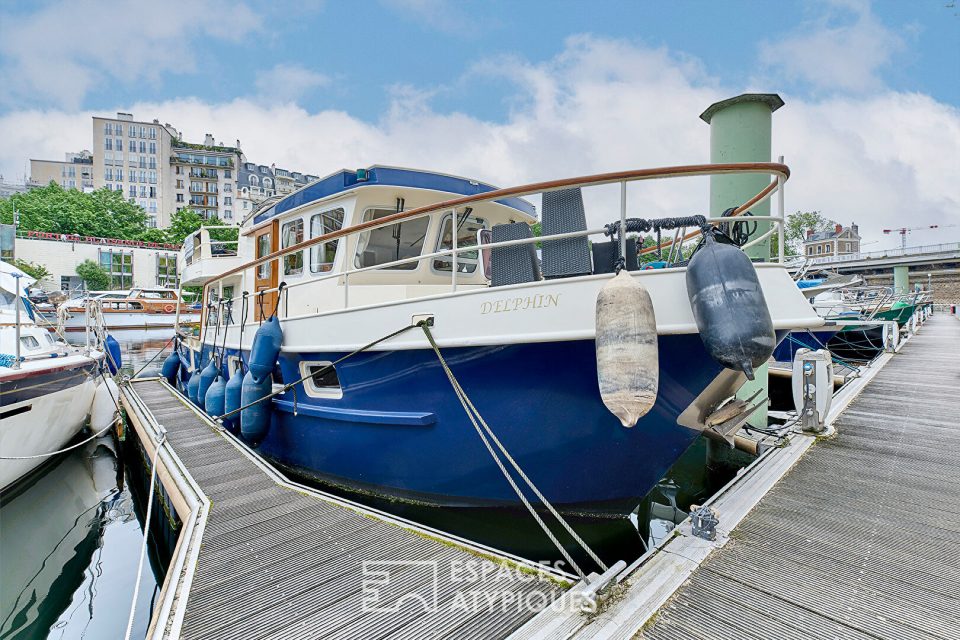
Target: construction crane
[(903, 231)]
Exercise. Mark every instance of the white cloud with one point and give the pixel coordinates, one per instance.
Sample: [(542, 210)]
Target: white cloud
[(883, 161), (441, 15), (843, 49), (68, 48), (288, 82)]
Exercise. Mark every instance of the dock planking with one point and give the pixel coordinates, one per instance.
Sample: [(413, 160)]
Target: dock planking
[(276, 562), (861, 539)]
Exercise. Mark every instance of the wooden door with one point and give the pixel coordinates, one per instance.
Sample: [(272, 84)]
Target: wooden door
[(266, 241)]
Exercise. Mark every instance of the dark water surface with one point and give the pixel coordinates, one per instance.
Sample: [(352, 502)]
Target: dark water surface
[(70, 539)]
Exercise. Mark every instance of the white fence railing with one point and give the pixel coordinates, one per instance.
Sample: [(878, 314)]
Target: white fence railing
[(888, 253)]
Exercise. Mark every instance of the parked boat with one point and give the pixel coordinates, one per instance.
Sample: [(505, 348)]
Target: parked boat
[(338, 267), (128, 309), (46, 386)]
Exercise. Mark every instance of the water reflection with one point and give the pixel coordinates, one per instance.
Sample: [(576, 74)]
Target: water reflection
[(70, 540), (67, 542)]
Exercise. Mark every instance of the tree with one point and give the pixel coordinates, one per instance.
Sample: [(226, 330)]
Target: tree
[(36, 271), (187, 221), (796, 229), (102, 213), (94, 276)]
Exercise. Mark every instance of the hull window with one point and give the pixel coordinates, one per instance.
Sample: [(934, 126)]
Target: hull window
[(321, 257), (323, 382), (392, 242)]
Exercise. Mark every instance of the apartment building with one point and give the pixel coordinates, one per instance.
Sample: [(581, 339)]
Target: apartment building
[(205, 178), (131, 157), (75, 171), (154, 167), (257, 182)]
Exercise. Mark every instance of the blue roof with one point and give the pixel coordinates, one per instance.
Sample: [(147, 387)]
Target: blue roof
[(386, 176)]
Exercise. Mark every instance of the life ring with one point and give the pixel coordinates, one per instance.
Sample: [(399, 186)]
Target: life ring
[(168, 308)]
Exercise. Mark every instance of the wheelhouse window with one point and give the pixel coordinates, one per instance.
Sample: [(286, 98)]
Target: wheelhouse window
[(467, 228), (321, 256), (291, 234), (392, 242)]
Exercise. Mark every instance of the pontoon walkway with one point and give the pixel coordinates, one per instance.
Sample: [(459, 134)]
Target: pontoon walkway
[(861, 539), (258, 557)]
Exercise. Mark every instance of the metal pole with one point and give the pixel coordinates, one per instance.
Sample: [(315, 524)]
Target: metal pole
[(783, 222), (17, 303), (623, 220), (453, 227)]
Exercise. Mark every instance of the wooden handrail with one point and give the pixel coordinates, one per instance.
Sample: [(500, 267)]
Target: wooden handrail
[(530, 189)]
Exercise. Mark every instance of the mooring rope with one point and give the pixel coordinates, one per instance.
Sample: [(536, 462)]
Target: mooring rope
[(474, 417), (155, 356), (644, 225), (146, 532), (116, 404)]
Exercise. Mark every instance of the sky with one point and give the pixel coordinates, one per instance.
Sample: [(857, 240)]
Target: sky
[(513, 92)]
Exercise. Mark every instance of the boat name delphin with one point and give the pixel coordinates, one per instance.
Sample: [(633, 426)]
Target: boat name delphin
[(539, 301)]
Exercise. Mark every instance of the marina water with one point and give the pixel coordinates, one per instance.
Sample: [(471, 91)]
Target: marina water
[(70, 537)]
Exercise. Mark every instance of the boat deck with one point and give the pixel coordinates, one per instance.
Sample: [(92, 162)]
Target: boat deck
[(861, 538), (259, 557)]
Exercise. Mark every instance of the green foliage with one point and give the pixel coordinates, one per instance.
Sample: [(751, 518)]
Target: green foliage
[(187, 221), (103, 213), (94, 276), (796, 229), (36, 271)]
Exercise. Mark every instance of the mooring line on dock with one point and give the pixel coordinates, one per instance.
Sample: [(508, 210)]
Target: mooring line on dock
[(146, 530)]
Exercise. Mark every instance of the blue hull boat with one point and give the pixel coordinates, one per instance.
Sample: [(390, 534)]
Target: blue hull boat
[(517, 330), (400, 432)]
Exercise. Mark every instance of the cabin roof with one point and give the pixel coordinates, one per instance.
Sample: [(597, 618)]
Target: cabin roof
[(346, 180)]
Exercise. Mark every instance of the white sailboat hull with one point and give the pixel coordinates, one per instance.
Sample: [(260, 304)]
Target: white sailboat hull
[(41, 424)]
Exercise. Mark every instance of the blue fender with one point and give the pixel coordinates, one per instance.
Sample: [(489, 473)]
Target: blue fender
[(255, 420), (193, 385), (207, 376), (170, 367), (231, 401), (213, 401), (115, 358), (265, 348)]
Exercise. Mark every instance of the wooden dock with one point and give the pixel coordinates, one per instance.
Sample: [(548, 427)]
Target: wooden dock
[(861, 539), (261, 557)]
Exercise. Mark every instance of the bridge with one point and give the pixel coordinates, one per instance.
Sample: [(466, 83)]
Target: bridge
[(933, 265)]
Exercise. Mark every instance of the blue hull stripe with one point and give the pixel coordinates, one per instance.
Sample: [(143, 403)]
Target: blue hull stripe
[(400, 418)]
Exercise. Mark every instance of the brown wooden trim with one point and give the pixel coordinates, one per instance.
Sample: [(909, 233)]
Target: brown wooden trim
[(529, 189)]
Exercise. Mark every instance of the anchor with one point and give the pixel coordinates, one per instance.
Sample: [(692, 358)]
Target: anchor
[(727, 419)]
